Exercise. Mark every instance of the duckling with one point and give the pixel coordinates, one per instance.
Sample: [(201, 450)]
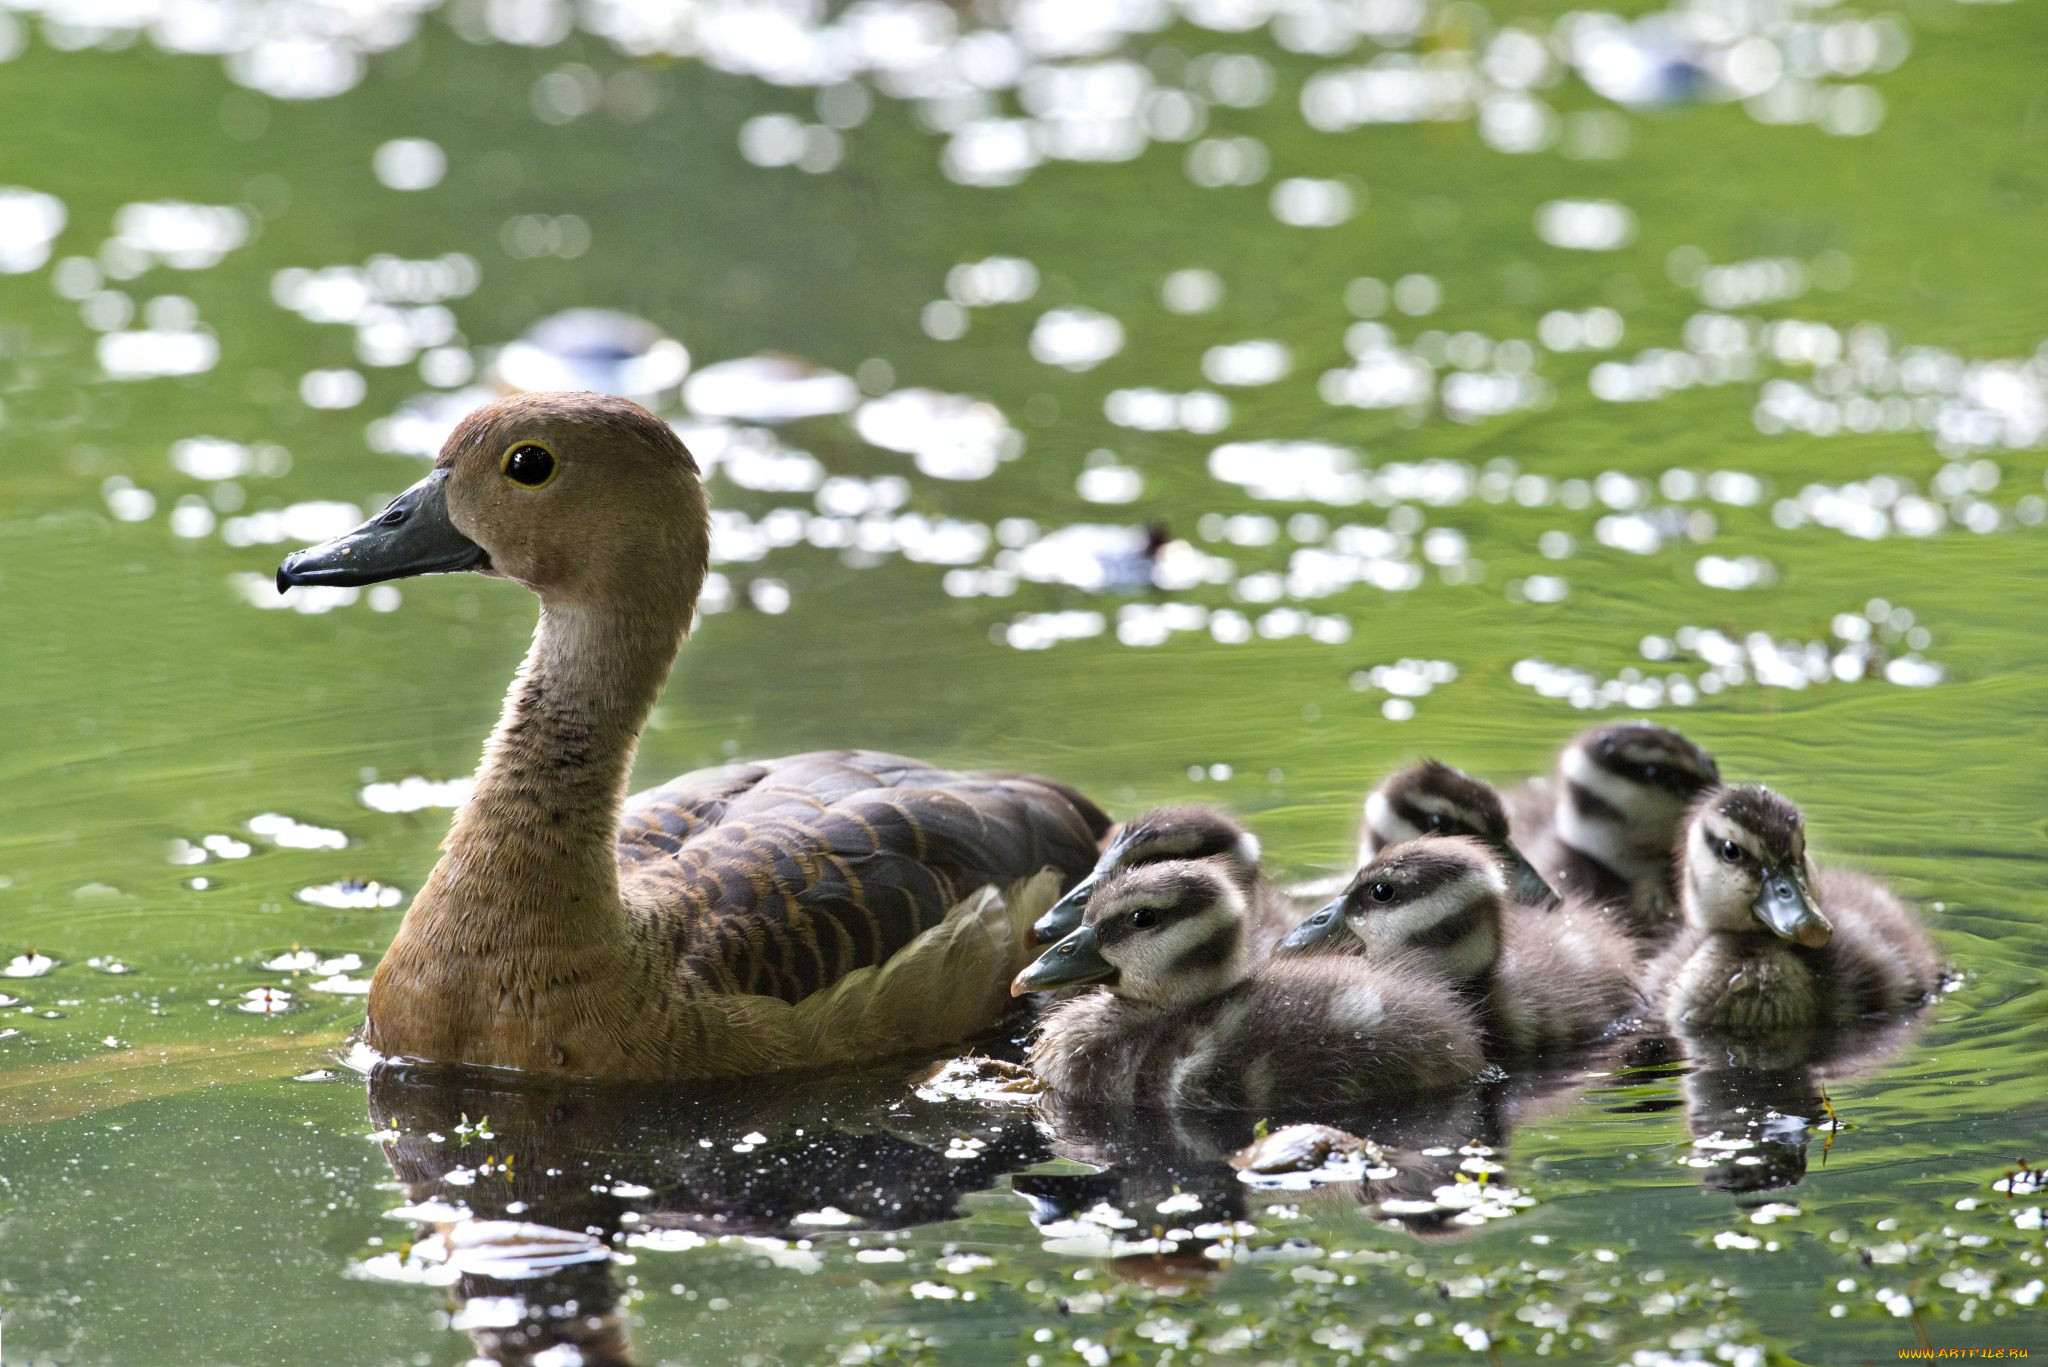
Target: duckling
[(821, 908), (1184, 1019), (1431, 798), (1604, 828), (1190, 831), (1439, 906), (1772, 942)]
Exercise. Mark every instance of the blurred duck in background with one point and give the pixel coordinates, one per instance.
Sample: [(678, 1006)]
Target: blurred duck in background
[(1430, 798), (1603, 828)]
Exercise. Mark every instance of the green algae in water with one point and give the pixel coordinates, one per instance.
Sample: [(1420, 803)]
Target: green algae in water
[(1488, 369)]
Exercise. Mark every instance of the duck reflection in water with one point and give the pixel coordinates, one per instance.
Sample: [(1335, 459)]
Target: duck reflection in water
[(1752, 1106), (1175, 1188), (525, 1191)]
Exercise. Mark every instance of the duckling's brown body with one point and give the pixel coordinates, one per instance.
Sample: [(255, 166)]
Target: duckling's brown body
[(818, 909), (1439, 907), (1186, 1020), (1878, 962), (1562, 980), (1772, 942), (1304, 1033)]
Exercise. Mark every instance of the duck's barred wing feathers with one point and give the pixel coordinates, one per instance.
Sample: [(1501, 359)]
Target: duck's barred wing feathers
[(779, 878)]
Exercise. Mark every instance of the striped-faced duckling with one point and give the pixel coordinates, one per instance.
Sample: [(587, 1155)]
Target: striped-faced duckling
[(1183, 1018), (823, 908), (1172, 834), (1440, 906), (1430, 798), (1772, 942), (1604, 827)]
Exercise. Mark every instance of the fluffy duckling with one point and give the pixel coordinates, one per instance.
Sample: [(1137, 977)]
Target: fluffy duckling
[(1190, 831), (1439, 906), (1431, 798), (1604, 827), (1182, 1018), (1770, 941), (817, 909)]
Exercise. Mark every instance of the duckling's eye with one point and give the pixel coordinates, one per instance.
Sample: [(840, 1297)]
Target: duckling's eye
[(1144, 918), (1436, 821), (1381, 892), (1730, 852), (530, 465)]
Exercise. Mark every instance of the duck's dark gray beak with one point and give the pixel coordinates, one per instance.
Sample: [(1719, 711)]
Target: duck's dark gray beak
[(1076, 959), (1785, 905), (1526, 885), (1322, 931), (412, 536), (1064, 915)]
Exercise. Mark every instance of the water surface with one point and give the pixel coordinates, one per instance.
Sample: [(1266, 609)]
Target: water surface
[(1496, 368)]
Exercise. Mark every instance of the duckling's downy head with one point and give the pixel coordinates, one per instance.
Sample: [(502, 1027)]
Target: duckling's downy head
[(1745, 870), (1431, 798), (576, 496), (1437, 899), (1163, 933), (1164, 833)]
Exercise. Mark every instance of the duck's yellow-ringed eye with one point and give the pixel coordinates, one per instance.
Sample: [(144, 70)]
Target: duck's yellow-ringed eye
[(529, 464)]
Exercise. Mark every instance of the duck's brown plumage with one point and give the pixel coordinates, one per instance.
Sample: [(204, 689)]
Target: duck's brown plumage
[(820, 909), (782, 876)]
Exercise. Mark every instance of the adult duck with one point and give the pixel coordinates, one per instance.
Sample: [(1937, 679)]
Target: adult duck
[(819, 909)]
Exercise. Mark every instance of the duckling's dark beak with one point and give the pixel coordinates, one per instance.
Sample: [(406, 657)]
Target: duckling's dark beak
[(1064, 915), (1320, 931), (411, 536), (1076, 959), (1526, 885), (1785, 905)]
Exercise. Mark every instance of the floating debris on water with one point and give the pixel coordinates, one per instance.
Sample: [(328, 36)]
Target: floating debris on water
[(341, 985), (113, 967), (507, 1249), (266, 1001), (1297, 1155), (28, 965), (976, 1078)]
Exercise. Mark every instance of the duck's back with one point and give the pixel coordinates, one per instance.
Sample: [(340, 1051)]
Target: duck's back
[(1310, 1032), (1880, 958), (1565, 976), (780, 877)]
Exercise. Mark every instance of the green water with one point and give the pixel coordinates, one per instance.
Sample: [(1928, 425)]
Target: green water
[(171, 1193)]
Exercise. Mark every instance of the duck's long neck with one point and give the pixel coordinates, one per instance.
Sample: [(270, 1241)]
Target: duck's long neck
[(531, 859)]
